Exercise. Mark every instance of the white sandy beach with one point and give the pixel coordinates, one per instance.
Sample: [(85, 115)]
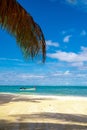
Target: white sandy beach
[(24, 112)]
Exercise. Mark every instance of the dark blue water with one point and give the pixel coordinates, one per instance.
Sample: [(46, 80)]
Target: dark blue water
[(47, 90)]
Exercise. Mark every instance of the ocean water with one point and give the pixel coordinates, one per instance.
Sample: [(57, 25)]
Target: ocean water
[(47, 90)]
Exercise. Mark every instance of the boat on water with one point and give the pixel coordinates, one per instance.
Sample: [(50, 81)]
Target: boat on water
[(27, 89)]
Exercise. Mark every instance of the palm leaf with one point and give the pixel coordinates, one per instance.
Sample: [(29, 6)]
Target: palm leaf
[(29, 36)]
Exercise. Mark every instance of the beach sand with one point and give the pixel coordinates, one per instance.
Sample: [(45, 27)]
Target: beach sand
[(24, 112)]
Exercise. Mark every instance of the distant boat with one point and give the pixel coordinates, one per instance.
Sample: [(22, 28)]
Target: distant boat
[(31, 89), (22, 88)]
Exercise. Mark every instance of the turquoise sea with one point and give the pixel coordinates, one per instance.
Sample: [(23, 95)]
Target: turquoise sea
[(47, 90)]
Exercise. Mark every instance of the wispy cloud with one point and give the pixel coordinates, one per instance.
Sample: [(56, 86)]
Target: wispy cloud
[(67, 38), (74, 2), (12, 77), (29, 76), (80, 4), (8, 59), (77, 64), (61, 74), (58, 77), (50, 43), (67, 72), (83, 33)]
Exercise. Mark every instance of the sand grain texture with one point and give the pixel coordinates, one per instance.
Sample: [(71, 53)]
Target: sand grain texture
[(23, 112)]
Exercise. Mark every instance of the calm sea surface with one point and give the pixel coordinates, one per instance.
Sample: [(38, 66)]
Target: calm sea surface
[(47, 90)]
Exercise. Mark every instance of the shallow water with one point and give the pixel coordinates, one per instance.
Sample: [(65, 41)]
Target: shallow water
[(47, 90)]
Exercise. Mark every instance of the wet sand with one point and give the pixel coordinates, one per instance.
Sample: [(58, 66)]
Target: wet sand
[(24, 112)]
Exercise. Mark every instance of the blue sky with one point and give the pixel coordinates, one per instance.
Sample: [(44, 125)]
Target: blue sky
[(64, 24)]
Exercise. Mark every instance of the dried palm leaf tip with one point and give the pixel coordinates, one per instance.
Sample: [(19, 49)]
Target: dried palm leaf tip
[(29, 36)]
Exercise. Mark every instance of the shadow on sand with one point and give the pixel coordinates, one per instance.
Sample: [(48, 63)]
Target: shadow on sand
[(7, 98), (63, 122)]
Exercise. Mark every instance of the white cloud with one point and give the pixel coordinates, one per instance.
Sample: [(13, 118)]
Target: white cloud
[(61, 74), (67, 72), (81, 75), (63, 56), (70, 56), (72, 1), (83, 33), (50, 43), (67, 38), (27, 76), (77, 64), (60, 77), (8, 77), (18, 78), (8, 59), (80, 4)]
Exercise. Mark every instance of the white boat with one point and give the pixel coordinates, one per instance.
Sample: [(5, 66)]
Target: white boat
[(31, 89), (25, 89)]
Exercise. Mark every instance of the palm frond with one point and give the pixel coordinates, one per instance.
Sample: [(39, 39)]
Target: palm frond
[(29, 36)]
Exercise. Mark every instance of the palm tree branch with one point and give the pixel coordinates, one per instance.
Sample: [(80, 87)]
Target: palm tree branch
[(19, 23)]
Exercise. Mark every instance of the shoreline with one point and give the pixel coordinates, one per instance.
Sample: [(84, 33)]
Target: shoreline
[(64, 97)]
